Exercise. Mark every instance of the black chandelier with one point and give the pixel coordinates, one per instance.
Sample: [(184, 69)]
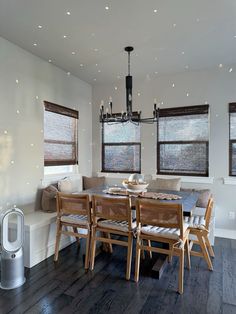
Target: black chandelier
[(129, 115)]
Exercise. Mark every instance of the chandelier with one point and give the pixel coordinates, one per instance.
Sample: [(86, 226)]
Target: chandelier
[(128, 116)]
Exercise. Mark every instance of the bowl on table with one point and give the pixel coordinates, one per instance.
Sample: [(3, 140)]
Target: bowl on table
[(135, 186)]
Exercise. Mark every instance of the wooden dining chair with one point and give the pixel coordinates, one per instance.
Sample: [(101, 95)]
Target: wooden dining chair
[(112, 216), (73, 210), (162, 222), (199, 232)]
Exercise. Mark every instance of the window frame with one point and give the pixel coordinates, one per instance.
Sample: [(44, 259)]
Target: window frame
[(58, 109), (182, 111), (118, 144), (232, 109)]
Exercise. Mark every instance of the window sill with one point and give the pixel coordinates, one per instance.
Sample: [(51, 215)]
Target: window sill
[(229, 181), (52, 178), (184, 179)]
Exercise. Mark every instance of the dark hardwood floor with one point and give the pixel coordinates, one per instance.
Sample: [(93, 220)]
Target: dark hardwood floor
[(65, 287)]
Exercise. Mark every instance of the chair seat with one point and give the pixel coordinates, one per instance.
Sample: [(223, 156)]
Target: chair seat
[(195, 221), (75, 219), (170, 233), (116, 225)]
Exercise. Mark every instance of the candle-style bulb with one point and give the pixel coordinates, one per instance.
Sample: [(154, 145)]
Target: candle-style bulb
[(102, 103), (155, 100), (110, 99)]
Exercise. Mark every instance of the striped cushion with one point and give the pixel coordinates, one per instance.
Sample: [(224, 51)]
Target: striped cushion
[(171, 233), (195, 221), (116, 225), (75, 219)]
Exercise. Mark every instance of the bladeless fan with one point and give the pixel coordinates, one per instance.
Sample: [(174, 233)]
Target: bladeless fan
[(12, 261)]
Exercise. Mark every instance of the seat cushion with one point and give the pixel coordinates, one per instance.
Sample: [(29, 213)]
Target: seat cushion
[(75, 219), (116, 225), (170, 233), (195, 221)]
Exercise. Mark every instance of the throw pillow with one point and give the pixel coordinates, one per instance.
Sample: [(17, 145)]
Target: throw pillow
[(48, 202), (165, 184), (92, 182)]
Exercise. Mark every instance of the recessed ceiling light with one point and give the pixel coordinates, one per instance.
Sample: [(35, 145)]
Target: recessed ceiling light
[(230, 70), (73, 53), (187, 94), (174, 25), (186, 66), (198, 20), (139, 94), (35, 44), (116, 87), (107, 7), (40, 26), (118, 76), (220, 65), (17, 81), (96, 49), (49, 60), (68, 73), (183, 52), (234, 36), (64, 36), (94, 79), (68, 12), (156, 72), (155, 10), (99, 71), (96, 64), (173, 85), (5, 132), (81, 65)]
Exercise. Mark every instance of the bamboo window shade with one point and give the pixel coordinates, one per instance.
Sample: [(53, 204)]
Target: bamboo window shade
[(60, 135), (232, 139)]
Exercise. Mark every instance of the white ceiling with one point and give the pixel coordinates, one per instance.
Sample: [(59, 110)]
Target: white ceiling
[(181, 36)]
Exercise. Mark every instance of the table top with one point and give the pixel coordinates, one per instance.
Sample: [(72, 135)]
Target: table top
[(188, 199)]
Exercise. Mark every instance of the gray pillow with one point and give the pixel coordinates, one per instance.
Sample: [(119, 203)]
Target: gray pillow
[(92, 182), (165, 184), (203, 198), (49, 199)]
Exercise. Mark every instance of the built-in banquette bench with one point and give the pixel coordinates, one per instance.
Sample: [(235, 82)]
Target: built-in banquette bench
[(40, 226)]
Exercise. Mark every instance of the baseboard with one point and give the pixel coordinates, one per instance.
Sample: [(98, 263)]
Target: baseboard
[(48, 251), (225, 233)]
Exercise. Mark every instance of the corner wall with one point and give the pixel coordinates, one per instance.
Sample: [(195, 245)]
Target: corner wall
[(25, 82)]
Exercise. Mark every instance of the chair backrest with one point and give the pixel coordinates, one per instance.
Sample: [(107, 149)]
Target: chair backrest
[(73, 204), (114, 208), (208, 212), (156, 213)]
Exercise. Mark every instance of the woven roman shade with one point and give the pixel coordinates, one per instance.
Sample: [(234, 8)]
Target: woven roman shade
[(232, 139), (60, 135), (182, 147)]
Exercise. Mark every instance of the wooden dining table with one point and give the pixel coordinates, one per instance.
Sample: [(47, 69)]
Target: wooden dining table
[(187, 199)]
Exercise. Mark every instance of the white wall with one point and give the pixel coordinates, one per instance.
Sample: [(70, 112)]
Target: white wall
[(21, 116), (217, 87)]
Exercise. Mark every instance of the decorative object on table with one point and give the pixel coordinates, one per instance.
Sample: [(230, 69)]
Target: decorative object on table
[(12, 259), (135, 186), (107, 115), (160, 196)]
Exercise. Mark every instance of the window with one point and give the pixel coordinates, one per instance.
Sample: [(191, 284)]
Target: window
[(121, 148), (232, 139), (60, 135), (182, 146)]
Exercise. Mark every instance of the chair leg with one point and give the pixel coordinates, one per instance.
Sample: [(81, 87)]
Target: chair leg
[(181, 271), (208, 244), (137, 259), (149, 245), (188, 254), (93, 248), (76, 238), (204, 251), (109, 244), (58, 237), (170, 256), (87, 253), (142, 251), (129, 256)]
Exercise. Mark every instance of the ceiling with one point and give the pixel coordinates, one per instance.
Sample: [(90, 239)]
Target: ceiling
[(168, 36)]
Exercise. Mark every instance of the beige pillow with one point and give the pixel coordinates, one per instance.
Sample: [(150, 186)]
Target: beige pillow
[(68, 185), (48, 202), (165, 184), (92, 182), (203, 198)]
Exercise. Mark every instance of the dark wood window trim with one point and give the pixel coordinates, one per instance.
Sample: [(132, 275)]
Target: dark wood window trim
[(181, 111), (232, 109), (118, 144), (51, 107)]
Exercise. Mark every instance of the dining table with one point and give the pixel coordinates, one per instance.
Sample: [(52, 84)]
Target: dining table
[(187, 199)]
